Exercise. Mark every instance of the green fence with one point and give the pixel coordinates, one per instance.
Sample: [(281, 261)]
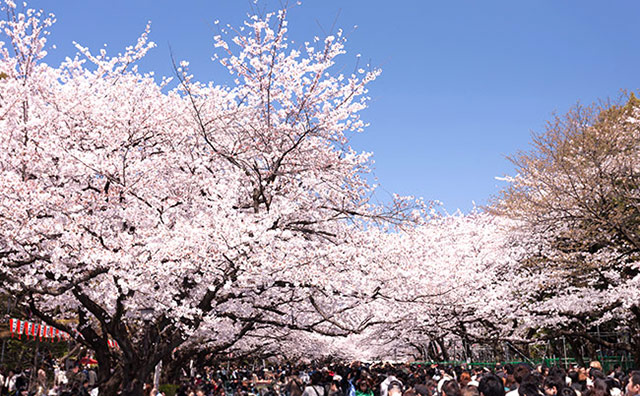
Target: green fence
[(607, 362)]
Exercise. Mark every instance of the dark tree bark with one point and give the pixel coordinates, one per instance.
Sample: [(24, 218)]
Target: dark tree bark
[(576, 349)]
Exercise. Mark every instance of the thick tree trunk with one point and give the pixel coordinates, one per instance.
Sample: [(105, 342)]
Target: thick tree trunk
[(133, 371), (133, 379), (443, 349), (421, 353), (591, 350), (129, 377), (634, 336), (576, 350), (174, 367), (433, 353), (555, 351), (635, 347), (112, 384), (133, 387), (498, 351), (468, 353), (172, 371), (104, 368)]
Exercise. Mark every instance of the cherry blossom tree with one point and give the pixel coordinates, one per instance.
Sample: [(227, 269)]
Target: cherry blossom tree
[(575, 202), (441, 286), (159, 215), (176, 216)]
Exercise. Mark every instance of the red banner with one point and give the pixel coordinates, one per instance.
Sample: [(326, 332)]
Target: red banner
[(42, 331)]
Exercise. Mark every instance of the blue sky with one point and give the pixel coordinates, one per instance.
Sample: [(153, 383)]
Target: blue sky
[(463, 85)]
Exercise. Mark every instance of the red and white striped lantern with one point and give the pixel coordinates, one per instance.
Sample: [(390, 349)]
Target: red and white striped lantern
[(14, 325), (21, 326), (27, 329)]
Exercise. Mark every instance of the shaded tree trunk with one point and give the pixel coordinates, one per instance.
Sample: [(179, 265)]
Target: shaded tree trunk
[(443, 349), (433, 353), (576, 350), (634, 336)]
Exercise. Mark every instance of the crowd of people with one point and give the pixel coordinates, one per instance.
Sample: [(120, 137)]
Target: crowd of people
[(360, 379), (75, 380), (356, 379)]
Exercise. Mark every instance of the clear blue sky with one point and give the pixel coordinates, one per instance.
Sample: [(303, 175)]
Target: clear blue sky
[(463, 83)]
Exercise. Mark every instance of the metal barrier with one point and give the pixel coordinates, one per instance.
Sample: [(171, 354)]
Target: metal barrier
[(607, 362)]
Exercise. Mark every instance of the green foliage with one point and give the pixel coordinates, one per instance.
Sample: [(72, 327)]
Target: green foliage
[(20, 353), (169, 389)]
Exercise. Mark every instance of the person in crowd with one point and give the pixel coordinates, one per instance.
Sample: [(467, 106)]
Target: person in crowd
[(531, 385), (315, 388), (422, 386), (596, 365), (394, 388), (363, 387), (76, 379), (21, 381), (451, 388), (294, 386), (464, 379), (41, 382), (553, 385), (617, 372), (633, 385), (335, 388), (470, 390), (10, 382), (578, 380), (491, 385), (389, 377)]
